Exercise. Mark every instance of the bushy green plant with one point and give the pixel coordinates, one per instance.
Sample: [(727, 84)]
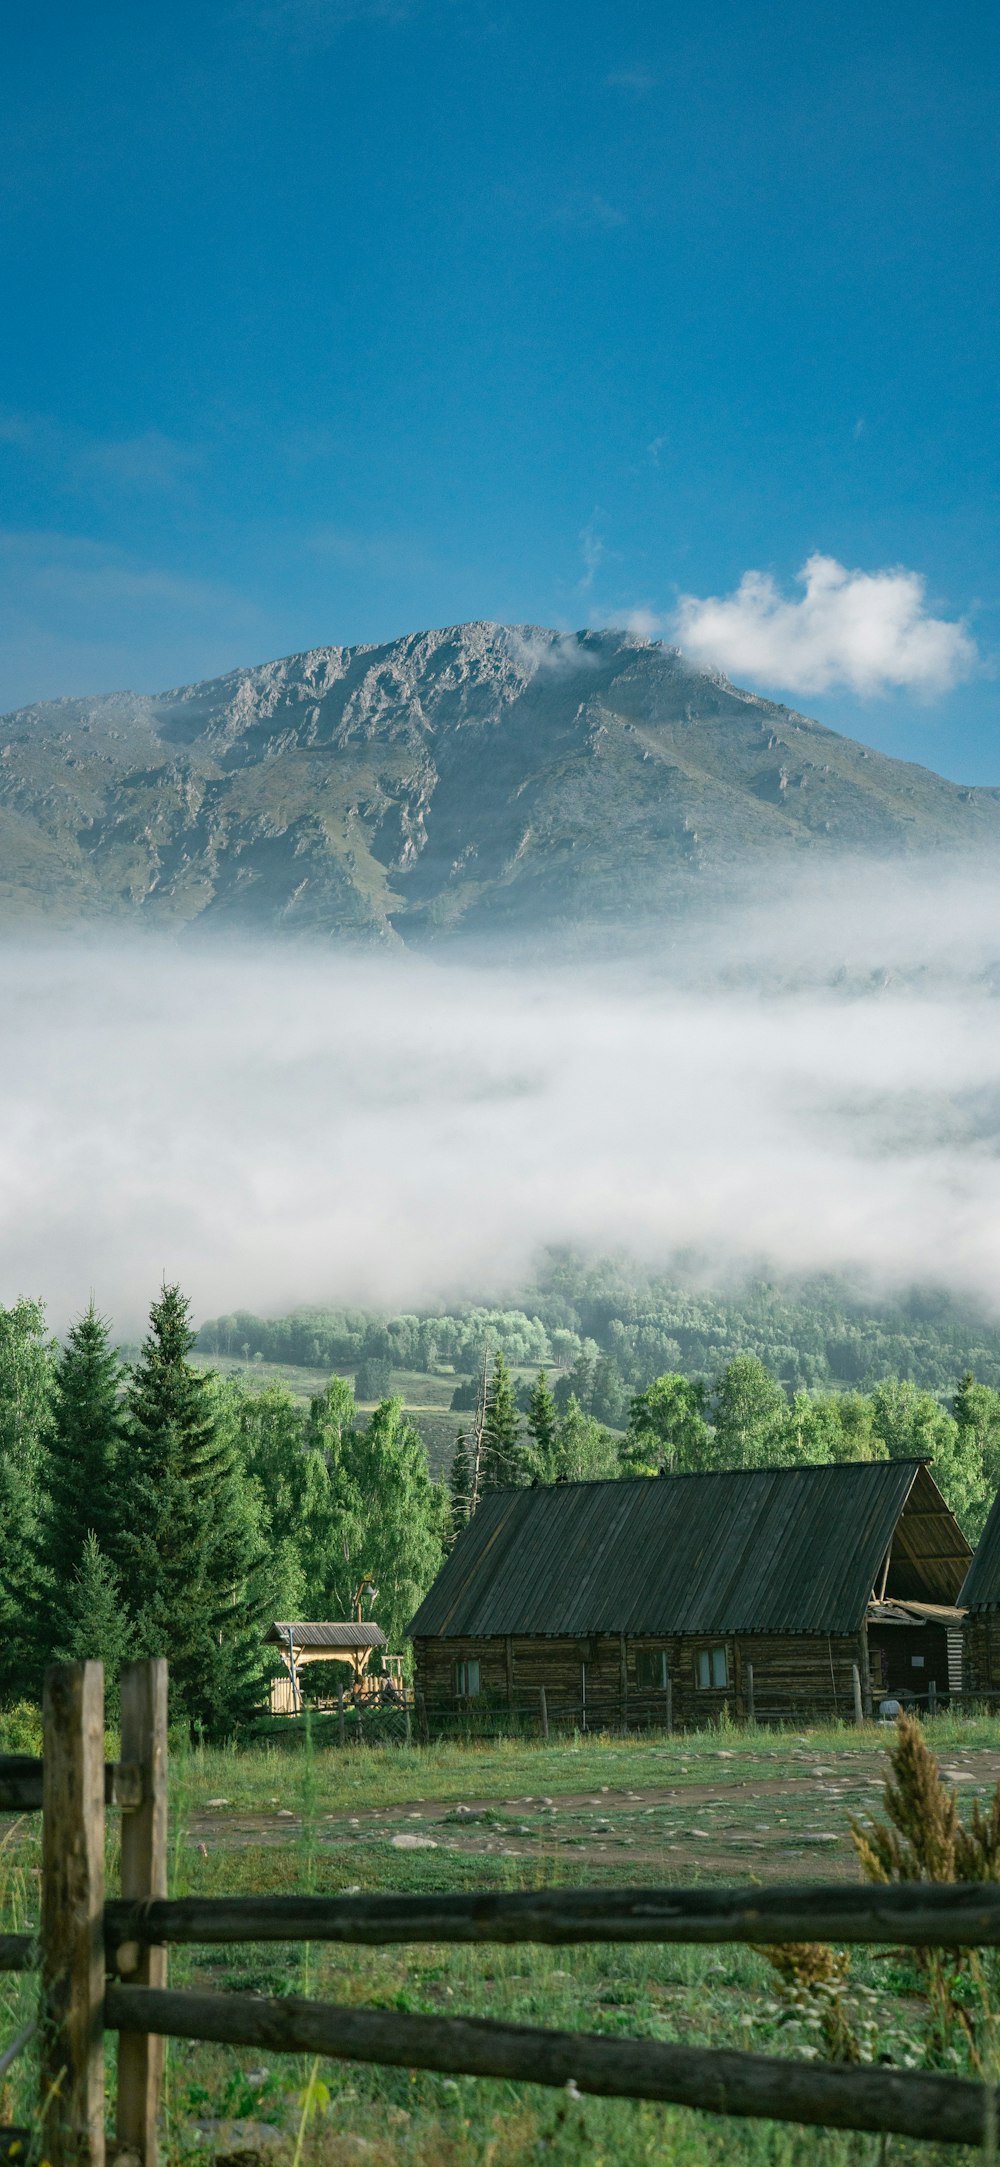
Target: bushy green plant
[(21, 1728), (923, 1838)]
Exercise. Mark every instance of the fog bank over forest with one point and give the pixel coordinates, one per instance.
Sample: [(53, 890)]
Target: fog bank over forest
[(811, 1083)]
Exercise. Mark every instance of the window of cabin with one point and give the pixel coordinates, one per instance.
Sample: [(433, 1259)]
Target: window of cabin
[(711, 1668), (467, 1678), (651, 1669)]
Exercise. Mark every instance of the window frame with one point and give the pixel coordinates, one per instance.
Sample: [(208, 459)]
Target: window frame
[(464, 1666), (648, 1657), (707, 1654)]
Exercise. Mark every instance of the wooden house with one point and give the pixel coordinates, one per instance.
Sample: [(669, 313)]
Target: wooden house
[(349, 1643), (981, 1598), (760, 1588)]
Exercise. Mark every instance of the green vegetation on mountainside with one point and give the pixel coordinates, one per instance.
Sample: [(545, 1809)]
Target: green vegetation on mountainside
[(506, 781), (823, 1333)]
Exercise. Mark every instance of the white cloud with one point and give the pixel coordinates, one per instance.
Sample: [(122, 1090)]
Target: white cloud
[(643, 622), (593, 552), (280, 1125), (869, 631), (532, 648)]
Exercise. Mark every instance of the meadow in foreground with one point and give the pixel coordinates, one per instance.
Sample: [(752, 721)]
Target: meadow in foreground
[(720, 1805)]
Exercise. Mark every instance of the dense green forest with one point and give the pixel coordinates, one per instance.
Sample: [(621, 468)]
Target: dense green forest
[(154, 1506), (154, 1509), (822, 1334)]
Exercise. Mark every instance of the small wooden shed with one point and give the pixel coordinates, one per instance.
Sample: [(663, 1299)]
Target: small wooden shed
[(981, 1597), (346, 1641), (757, 1588)]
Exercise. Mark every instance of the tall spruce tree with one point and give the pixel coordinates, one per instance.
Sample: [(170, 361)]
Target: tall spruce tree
[(503, 1452), (543, 1420), (92, 1622), (189, 1556), (26, 1372), (81, 1474), (459, 1484)]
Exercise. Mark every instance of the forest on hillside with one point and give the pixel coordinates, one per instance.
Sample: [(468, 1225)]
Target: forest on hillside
[(822, 1334)]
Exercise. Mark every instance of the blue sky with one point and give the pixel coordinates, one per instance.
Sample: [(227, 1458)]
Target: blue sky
[(326, 320)]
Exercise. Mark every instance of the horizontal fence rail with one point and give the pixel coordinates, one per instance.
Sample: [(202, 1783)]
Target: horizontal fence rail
[(915, 1914), (21, 1784), (949, 2109), (18, 1952)]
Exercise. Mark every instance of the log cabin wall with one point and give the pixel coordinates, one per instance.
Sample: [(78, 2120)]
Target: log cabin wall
[(981, 1653), (620, 1680)]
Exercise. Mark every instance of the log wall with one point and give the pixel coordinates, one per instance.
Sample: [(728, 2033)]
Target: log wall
[(795, 1674), (981, 1653)]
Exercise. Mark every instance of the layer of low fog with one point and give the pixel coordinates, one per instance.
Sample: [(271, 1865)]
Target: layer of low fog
[(814, 1082)]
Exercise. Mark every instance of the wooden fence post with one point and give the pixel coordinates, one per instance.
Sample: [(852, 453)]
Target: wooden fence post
[(749, 1692), (144, 1875), (340, 1715), (72, 1933), (932, 1696), (407, 1717), (859, 1713), (544, 1712), (670, 1703)]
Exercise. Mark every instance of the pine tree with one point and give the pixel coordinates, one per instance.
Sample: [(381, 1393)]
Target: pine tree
[(92, 1623), (542, 1425), (459, 1484), (81, 1479), (26, 1375), (189, 1551), (503, 1456)]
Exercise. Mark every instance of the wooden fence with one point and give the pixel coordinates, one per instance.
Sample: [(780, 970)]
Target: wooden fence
[(103, 1962), (549, 1714)]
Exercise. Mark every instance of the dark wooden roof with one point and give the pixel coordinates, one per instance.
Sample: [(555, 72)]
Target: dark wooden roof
[(982, 1583), (345, 1634), (772, 1550)]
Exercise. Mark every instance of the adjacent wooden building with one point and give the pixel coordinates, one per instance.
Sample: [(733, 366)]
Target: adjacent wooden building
[(757, 1589), (981, 1598)]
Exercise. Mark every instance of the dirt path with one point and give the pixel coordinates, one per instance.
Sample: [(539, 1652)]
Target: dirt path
[(793, 1825)]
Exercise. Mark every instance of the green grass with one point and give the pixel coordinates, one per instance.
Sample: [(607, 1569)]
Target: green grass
[(492, 1769), (588, 1835)]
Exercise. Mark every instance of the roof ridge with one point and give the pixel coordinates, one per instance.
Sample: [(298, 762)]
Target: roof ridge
[(711, 1474)]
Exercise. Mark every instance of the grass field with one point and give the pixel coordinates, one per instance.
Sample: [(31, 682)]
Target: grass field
[(720, 1806)]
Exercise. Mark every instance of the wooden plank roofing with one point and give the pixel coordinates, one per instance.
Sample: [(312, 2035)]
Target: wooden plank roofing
[(981, 1591), (766, 1550), (345, 1634)]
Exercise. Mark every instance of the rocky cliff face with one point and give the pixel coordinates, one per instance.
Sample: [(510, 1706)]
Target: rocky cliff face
[(510, 782)]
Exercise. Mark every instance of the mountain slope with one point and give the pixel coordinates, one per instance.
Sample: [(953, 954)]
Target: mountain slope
[(512, 782)]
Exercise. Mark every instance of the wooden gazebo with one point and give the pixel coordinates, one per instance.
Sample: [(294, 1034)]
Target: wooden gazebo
[(351, 1642)]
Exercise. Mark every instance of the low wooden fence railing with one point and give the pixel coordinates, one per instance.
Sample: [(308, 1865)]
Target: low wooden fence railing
[(103, 1963)]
